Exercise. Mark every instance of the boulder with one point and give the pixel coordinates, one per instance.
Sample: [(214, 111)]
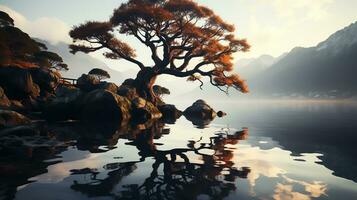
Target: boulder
[(35, 91), (200, 114), (67, 105), (46, 79), (17, 105), (11, 118), (66, 91), (221, 114), (17, 83), (169, 113), (138, 102), (87, 83), (200, 110), (143, 111), (104, 106), (4, 101), (31, 103), (128, 90), (21, 131), (108, 86)]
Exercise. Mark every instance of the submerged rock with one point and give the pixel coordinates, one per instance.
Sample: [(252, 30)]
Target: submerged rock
[(104, 106), (11, 118)]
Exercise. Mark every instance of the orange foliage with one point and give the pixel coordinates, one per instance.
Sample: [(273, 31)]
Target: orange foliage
[(181, 29)]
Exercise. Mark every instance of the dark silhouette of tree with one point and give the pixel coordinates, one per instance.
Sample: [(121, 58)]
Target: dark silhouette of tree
[(5, 19), (100, 74), (185, 39), (19, 49)]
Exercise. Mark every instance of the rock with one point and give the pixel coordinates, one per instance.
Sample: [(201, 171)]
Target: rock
[(139, 102), (11, 118), (221, 114), (145, 113), (69, 92), (87, 83), (30, 104), (21, 131), (108, 86), (46, 79), (200, 114), (17, 83), (4, 101), (35, 91), (129, 82), (17, 105), (103, 106), (200, 109), (128, 90), (67, 105), (169, 113)]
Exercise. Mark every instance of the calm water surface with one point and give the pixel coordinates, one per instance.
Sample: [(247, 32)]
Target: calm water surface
[(275, 150)]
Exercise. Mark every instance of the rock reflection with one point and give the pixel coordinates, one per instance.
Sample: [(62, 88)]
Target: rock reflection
[(173, 174)]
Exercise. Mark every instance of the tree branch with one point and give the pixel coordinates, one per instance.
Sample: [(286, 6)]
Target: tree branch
[(128, 58)]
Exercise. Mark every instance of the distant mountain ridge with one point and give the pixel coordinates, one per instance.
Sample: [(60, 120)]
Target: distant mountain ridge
[(325, 71), (248, 68)]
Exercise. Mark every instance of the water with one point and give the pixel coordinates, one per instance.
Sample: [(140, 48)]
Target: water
[(261, 150)]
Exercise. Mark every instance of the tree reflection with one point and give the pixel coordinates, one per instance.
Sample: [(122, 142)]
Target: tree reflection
[(173, 174)]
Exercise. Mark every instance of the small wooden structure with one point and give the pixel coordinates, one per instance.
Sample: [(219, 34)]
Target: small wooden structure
[(68, 81)]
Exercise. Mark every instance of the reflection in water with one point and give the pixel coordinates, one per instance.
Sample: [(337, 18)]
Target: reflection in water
[(315, 189), (173, 175), (283, 157)]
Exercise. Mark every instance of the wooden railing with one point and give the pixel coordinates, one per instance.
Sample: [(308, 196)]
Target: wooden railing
[(68, 81)]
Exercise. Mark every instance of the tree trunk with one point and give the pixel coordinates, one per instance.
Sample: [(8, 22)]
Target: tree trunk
[(144, 83)]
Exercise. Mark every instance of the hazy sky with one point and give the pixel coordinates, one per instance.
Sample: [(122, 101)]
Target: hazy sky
[(271, 26)]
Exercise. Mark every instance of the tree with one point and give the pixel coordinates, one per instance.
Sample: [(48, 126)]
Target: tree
[(100, 74), (5, 19), (50, 60), (17, 48), (185, 39)]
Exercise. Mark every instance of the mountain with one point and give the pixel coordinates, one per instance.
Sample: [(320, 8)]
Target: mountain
[(327, 70), (248, 68), (81, 63)]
